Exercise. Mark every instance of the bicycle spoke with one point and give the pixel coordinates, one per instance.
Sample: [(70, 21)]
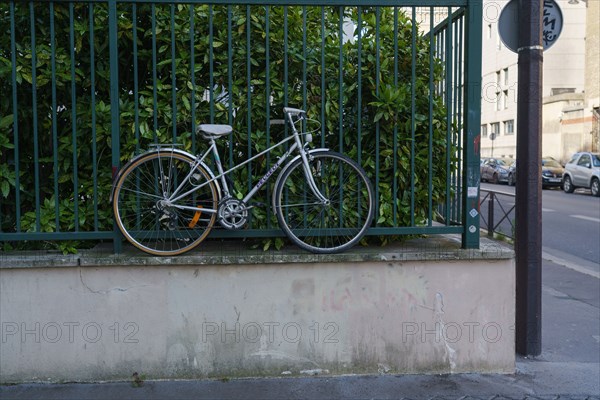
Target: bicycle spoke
[(300, 204)]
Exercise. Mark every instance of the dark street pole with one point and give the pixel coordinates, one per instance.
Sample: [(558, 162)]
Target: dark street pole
[(528, 243)]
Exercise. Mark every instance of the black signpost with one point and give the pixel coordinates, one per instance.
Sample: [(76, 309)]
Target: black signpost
[(528, 27)]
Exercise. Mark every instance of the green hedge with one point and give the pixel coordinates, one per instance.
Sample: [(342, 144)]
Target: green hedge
[(383, 101)]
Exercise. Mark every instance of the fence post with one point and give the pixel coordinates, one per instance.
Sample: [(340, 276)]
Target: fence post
[(472, 113), (491, 215), (114, 103)]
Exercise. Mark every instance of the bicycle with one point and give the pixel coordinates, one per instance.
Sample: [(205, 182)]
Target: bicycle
[(166, 200)]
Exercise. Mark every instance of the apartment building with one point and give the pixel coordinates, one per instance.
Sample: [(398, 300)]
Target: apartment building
[(571, 119), (564, 82), (570, 90)]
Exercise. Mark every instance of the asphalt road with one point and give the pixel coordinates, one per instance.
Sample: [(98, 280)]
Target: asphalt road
[(570, 226), (570, 276)]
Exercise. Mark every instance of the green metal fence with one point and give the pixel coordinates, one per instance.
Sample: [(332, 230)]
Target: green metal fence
[(85, 85)]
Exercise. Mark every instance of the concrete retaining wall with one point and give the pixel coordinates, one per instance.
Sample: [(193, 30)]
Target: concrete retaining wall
[(429, 308)]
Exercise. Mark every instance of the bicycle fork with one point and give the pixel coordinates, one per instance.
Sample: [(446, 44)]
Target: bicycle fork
[(311, 179), (305, 163)]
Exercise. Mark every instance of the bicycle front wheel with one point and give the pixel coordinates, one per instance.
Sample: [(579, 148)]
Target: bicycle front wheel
[(146, 216), (329, 226)]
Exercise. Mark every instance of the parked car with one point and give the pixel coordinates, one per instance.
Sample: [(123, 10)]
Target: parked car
[(552, 173), (583, 171), (512, 174), (551, 170), (495, 170)]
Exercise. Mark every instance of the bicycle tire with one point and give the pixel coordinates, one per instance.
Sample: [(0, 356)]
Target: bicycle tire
[(152, 226), (317, 227)]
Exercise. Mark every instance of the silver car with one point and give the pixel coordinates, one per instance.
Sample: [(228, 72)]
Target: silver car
[(583, 171)]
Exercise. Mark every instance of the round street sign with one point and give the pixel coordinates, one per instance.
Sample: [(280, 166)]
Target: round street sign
[(508, 24)]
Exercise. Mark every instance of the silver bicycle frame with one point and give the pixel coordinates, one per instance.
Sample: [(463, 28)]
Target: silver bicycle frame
[(212, 149)]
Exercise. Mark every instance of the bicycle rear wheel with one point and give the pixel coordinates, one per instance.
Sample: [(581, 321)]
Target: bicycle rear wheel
[(336, 225), (145, 216)]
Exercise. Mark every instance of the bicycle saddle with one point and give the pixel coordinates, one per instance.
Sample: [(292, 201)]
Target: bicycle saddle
[(213, 131), (293, 111)]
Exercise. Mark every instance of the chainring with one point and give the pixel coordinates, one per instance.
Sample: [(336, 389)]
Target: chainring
[(232, 214)]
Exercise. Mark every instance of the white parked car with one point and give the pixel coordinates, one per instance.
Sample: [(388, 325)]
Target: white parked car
[(583, 171)]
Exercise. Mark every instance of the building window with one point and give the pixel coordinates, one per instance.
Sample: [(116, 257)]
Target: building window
[(489, 29), (484, 130), (509, 127), (557, 91), (495, 130), (498, 80), (505, 99), (498, 101), (505, 76)]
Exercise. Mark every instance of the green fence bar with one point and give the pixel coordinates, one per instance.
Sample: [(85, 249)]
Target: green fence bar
[(193, 73), (173, 76), (114, 104), (377, 92), (395, 140), (359, 28), (323, 35), (448, 99), (413, 83), (267, 98), (453, 176), (431, 94), (136, 85), (54, 119), (154, 76), (341, 97), (93, 111), (333, 3), (74, 121), (459, 116), (304, 66), (341, 81), (455, 112), (15, 108), (211, 63), (36, 157), (229, 80), (472, 121), (248, 93), (136, 97)]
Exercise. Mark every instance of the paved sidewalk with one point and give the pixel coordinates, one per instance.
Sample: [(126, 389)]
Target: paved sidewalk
[(533, 380), (569, 368)]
